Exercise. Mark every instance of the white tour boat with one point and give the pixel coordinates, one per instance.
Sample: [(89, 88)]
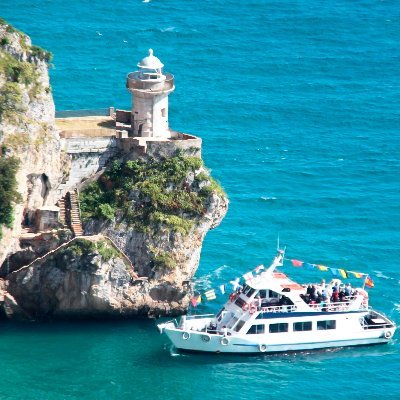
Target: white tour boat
[(271, 313)]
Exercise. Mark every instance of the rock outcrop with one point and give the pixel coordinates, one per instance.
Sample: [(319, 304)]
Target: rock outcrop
[(145, 215)]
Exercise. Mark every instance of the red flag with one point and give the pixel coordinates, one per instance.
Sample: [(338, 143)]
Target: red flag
[(297, 263), (194, 301), (369, 282)]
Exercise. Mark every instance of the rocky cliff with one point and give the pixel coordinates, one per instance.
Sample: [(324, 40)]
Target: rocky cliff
[(145, 215), (27, 130)]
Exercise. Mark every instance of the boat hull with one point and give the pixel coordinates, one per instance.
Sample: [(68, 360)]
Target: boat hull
[(203, 342)]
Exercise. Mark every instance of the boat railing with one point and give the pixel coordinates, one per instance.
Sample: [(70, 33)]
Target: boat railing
[(199, 316), (278, 309), (337, 306)]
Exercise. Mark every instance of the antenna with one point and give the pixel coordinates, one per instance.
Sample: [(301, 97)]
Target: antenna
[(278, 243)]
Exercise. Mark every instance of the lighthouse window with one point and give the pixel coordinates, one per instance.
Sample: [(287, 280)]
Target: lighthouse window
[(276, 328), (256, 329), (302, 326), (324, 325)]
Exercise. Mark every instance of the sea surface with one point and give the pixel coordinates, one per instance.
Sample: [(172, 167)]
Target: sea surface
[(297, 103)]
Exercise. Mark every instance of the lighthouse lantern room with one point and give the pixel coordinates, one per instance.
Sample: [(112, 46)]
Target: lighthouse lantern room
[(150, 88)]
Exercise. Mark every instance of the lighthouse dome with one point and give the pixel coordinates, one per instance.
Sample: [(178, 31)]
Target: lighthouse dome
[(150, 62)]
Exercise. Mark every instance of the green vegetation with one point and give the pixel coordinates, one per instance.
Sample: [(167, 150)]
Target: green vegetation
[(150, 193), (82, 247), (19, 73), (42, 54), (10, 100), (106, 250), (8, 189), (164, 260)]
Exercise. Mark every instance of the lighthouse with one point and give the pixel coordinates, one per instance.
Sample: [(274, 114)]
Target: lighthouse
[(150, 88)]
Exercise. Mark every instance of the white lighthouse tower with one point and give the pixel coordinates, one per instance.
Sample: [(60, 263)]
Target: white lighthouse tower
[(150, 88)]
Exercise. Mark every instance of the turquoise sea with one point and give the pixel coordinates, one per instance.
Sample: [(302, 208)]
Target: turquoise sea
[(298, 106)]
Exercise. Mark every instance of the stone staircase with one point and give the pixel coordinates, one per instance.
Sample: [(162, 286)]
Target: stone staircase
[(70, 215), (75, 214)]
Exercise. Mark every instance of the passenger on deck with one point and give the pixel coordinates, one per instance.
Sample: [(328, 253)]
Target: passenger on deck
[(313, 294), (335, 297), (347, 289)]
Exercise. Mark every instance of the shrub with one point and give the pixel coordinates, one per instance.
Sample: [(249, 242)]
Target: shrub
[(147, 192), (164, 260), (10, 100), (106, 211), (8, 189), (42, 54), (106, 250)]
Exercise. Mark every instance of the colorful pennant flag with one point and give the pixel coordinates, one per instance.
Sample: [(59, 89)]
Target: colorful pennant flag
[(334, 271), (309, 266), (322, 268), (297, 263), (210, 294), (357, 274), (199, 299), (369, 282), (222, 289), (343, 273), (248, 276), (193, 300)]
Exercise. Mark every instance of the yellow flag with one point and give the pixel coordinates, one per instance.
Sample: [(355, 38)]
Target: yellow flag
[(199, 299), (322, 268)]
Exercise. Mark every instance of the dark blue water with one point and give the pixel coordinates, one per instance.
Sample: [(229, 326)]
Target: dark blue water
[(298, 106)]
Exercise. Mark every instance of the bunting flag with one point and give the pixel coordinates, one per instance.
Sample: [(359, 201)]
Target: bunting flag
[(258, 268), (335, 271), (210, 294), (193, 300), (343, 273), (297, 263), (369, 282), (248, 276)]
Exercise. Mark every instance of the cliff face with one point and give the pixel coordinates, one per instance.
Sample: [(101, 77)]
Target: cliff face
[(27, 130), (145, 215)]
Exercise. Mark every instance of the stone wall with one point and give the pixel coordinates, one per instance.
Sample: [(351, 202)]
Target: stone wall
[(88, 156)]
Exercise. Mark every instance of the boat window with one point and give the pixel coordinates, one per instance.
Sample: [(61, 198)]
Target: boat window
[(239, 326), (250, 292), (256, 329), (262, 293), (240, 302), (276, 328), (323, 325), (273, 294), (302, 326)]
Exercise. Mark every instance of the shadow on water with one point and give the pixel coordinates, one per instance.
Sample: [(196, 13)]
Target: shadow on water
[(313, 356)]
